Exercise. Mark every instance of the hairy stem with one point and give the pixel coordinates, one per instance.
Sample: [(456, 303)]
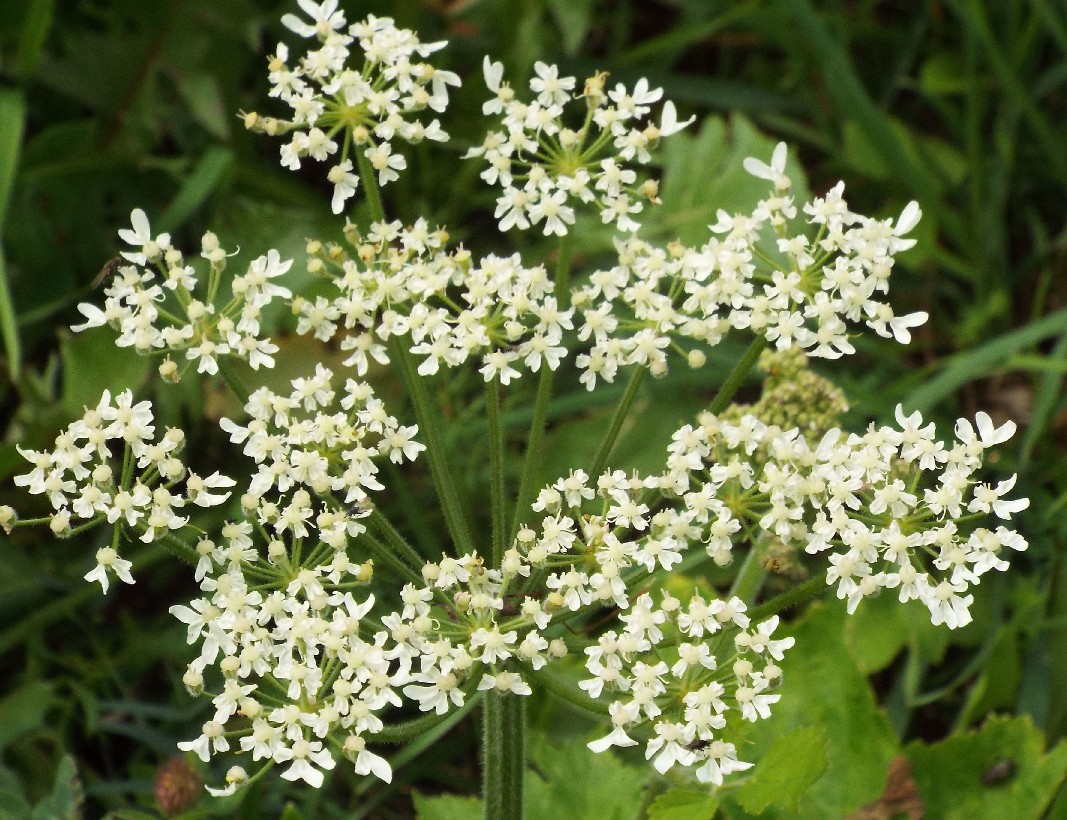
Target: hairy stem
[(503, 754)]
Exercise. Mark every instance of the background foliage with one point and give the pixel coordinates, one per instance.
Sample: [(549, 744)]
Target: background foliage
[(106, 105)]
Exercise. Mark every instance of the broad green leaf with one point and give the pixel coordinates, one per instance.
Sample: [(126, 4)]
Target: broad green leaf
[(785, 772), (683, 804), (882, 626), (24, 710), (998, 771), (92, 363), (447, 807), (823, 689), (607, 789), (703, 172)]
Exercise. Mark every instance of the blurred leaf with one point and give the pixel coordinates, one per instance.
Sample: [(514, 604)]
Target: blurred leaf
[(608, 789), (85, 375), (998, 682), (786, 770), (447, 807), (572, 18), (999, 771), (35, 25), (65, 800), (973, 364), (942, 73), (683, 804), (204, 180), (13, 802), (24, 710), (12, 120), (201, 93)]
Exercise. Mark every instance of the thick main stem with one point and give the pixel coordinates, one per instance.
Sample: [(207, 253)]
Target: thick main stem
[(503, 754)]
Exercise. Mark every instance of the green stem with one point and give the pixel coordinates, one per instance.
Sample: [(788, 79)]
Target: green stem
[(179, 548), (425, 413), (533, 448), (370, 187), (737, 375), (535, 439), (504, 755), (383, 552), (228, 373), (809, 589), (561, 688), (496, 467), (617, 420), (395, 539), (746, 585)]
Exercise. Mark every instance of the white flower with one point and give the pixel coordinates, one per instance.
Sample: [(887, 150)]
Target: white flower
[(108, 561)]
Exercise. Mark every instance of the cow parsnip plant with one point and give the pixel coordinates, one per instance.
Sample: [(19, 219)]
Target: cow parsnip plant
[(305, 667)]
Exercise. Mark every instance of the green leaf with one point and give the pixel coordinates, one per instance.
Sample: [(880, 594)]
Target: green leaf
[(703, 172), (13, 802), (35, 26), (24, 710), (92, 364), (785, 772), (1001, 770), (291, 812), (683, 804), (447, 807), (572, 18), (201, 93), (12, 120), (607, 790), (823, 688), (205, 179), (973, 364), (65, 800)]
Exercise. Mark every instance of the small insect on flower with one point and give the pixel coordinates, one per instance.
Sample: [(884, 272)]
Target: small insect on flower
[(107, 271)]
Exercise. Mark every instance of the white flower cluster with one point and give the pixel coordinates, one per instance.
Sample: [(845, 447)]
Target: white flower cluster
[(297, 663), (374, 104), (546, 167), (152, 302), (402, 282), (803, 298), (894, 507), (84, 483), (305, 447), (662, 665)]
